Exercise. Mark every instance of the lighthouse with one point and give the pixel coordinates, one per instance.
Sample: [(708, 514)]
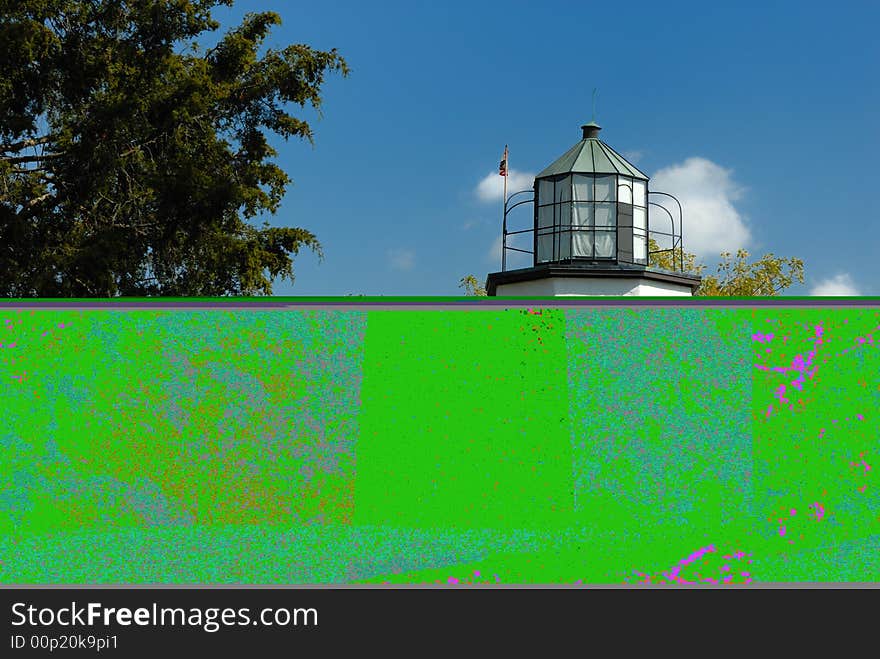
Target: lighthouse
[(592, 233)]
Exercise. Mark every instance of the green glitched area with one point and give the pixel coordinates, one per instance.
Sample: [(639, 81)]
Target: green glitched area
[(592, 445), (465, 422)]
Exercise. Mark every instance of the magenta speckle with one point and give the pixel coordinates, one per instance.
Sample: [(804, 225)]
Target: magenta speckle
[(673, 574)]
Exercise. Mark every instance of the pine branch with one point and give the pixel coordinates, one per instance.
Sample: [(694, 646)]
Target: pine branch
[(38, 200), (21, 160), (15, 147)]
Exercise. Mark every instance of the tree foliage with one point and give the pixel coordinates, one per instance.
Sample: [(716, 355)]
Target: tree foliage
[(133, 161), (735, 274), (472, 286), (673, 260)]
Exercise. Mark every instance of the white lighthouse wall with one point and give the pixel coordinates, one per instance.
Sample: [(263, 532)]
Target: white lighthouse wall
[(580, 286)]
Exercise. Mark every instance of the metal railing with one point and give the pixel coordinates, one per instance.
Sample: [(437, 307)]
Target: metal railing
[(505, 232), (676, 237), (677, 248)]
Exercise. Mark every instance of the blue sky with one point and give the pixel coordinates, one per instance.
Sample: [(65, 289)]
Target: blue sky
[(762, 116)]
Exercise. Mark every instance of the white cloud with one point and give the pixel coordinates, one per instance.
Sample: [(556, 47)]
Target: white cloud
[(633, 156), (707, 192), (491, 188), (839, 284), (401, 259)]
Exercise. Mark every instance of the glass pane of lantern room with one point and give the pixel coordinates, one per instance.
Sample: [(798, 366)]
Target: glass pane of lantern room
[(639, 221), (606, 246), (545, 247), (563, 214), (605, 187), (606, 215), (583, 187), (624, 190), (640, 248), (545, 191), (563, 245), (545, 217), (640, 190), (563, 189), (582, 243), (582, 214)]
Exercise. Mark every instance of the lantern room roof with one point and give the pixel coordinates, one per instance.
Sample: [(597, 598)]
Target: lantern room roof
[(592, 156)]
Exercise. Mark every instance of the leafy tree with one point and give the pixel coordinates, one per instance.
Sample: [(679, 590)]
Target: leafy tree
[(673, 260), (133, 161), (471, 286), (735, 275), (770, 275)]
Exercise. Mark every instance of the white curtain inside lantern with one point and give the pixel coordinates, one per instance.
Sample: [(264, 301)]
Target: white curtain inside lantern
[(563, 218), (545, 191), (582, 187), (605, 215), (605, 218), (588, 215), (582, 218), (545, 217), (577, 215), (563, 190), (545, 247), (606, 244), (545, 220), (605, 186)]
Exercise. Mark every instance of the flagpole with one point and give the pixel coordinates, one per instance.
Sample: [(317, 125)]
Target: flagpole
[(504, 207)]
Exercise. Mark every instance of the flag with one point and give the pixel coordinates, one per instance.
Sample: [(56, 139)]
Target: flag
[(502, 168)]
